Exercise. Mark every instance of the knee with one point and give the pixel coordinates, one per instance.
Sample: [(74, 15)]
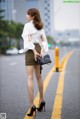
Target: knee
[(38, 77), (30, 77)]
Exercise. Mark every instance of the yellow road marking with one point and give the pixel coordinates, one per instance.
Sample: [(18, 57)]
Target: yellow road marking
[(56, 112)]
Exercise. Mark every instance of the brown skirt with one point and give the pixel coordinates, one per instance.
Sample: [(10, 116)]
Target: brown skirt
[(29, 55)]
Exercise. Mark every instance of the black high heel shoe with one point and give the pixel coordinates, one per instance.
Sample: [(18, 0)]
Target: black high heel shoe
[(33, 109), (41, 106)]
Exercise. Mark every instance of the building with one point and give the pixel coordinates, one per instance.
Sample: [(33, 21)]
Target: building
[(8, 7), (67, 36)]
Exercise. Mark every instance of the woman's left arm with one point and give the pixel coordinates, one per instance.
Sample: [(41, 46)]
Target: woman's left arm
[(44, 43)]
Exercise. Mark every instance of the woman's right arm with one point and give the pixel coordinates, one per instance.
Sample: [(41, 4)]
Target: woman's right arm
[(28, 44)]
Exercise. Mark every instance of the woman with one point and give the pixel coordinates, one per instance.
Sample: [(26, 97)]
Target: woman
[(35, 45)]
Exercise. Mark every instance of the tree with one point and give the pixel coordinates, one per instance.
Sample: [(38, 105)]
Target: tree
[(18, 32), (51, 40), (3, 36), (9, 31)]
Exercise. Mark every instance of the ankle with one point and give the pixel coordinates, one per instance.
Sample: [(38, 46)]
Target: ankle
[(41, 100), (31, 105)]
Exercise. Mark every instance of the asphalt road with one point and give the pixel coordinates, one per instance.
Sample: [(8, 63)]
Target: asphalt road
[(13, 87)]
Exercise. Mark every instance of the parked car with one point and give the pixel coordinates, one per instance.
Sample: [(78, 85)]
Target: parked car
[(12, 51)]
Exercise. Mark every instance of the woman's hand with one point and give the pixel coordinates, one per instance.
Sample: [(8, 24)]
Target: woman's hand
[(36, 54)]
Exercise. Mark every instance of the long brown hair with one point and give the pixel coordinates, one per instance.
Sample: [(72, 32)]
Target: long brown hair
[(33, 12)]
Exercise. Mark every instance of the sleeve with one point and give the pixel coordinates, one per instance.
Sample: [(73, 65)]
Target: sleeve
[(44, 43), (28, 44)]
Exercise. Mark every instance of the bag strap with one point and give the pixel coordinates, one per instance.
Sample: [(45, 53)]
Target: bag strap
[(41, 69)]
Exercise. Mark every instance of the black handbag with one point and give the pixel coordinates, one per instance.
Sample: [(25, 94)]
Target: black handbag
[(44, 60)]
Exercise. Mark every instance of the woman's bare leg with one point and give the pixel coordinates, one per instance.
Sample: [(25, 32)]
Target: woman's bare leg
[(29, 71), (40, 81)]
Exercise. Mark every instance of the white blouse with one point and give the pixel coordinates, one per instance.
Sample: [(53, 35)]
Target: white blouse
[(31, 35)]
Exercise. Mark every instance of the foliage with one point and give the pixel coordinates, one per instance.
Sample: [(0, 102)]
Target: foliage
[(9, 30), (51, 40)]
